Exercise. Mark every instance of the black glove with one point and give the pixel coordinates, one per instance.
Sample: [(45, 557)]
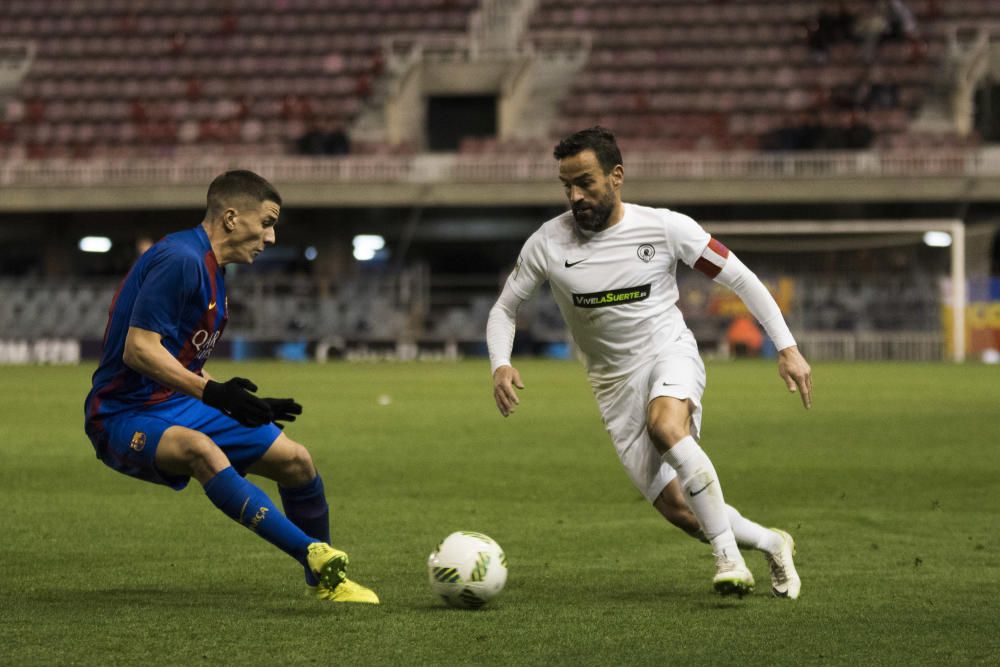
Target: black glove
[(283, 409), (234, 399)]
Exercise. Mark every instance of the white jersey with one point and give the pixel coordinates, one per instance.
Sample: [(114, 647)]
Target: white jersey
[(617, 289)]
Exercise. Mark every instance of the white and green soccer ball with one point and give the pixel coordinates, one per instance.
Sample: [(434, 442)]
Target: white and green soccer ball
[(467, 569)]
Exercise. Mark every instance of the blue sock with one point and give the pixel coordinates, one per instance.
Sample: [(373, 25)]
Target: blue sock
[(306, 507), (245, 503)]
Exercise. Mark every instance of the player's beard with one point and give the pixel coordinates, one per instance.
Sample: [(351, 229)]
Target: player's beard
[(593, 218)]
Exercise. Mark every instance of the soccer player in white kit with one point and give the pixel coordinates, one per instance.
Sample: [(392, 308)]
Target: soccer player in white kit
[(612, 270)]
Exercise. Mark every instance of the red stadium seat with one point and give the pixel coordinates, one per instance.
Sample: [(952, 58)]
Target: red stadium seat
[(650, 60)]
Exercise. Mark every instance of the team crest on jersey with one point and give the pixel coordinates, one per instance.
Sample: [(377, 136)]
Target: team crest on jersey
[(645, 252), (138, 441), (612, 297)]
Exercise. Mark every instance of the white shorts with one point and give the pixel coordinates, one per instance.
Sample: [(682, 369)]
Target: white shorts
[(676, 371)]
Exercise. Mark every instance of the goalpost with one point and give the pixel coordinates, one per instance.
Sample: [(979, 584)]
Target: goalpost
[(859, 229)]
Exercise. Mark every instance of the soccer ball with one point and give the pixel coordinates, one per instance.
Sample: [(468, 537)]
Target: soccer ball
[(467, 569)]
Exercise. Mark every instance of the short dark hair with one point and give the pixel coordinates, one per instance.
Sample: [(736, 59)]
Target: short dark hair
[(599, 139), (237, 184)]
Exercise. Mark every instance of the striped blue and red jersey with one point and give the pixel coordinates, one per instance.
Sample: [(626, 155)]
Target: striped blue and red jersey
[(176, 289)]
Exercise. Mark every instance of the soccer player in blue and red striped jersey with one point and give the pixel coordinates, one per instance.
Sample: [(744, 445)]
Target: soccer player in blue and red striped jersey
[(154, 413)]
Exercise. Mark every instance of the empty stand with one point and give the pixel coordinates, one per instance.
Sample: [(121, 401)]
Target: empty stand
[(168, 77), (689, 75)]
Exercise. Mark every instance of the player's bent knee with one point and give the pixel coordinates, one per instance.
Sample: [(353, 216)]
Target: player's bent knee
[(286, 462), (299, 467), (668, 422), (187, 452), (665, 434)]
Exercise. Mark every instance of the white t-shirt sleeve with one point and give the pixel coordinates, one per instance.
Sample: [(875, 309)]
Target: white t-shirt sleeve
[(532, 267), (528, 274), (687, 238), (500, 328), (745, 283), (696, 248)]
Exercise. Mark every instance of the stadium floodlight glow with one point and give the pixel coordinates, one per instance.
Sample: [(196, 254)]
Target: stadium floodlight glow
[(311, 253), (366, 245), (937, 239), (95, 244)]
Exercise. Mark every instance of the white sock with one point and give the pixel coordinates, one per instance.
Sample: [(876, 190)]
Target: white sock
[(752, 535), (703, 493)]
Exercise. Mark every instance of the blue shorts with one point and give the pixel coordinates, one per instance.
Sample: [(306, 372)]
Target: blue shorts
[(128, 440)]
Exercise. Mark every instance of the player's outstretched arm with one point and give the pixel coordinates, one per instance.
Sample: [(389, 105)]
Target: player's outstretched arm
[(795, 371), (505, 379), (718, 263)]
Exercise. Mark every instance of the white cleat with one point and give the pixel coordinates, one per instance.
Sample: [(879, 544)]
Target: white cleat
[(785, 582), (732, 577)]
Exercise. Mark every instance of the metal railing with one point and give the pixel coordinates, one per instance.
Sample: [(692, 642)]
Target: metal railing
[(499, 167), (874, 346)]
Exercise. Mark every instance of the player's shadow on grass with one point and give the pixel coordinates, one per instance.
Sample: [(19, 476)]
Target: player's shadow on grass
[(267, 603), (285, 604), (90, 601), (629, 592), (442, 608)]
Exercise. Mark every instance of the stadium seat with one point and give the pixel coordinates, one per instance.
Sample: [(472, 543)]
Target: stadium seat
[(745, 56)]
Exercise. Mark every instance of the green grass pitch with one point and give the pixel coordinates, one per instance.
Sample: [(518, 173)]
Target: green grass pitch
[(890, 485)]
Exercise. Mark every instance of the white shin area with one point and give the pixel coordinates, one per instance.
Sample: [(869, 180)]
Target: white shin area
[(703, 493)]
